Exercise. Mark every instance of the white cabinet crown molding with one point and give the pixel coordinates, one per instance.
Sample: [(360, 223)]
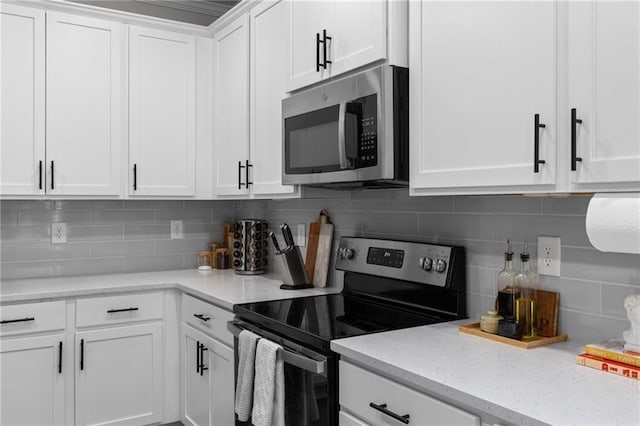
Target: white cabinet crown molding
[(115, 15)]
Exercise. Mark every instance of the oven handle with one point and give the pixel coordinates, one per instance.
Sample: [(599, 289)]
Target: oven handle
[(342, 141), (300, 361)]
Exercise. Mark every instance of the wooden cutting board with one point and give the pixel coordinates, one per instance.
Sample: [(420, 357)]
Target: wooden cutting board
[(548, 303), (323, 254), (312, 245)]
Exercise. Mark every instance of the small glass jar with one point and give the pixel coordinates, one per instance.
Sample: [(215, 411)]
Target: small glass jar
[(222, 258), (204, 260), (489, 322)]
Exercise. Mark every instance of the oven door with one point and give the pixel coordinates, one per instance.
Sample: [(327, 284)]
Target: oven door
[(311, 380)]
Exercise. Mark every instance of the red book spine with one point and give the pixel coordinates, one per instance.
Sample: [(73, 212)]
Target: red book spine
[(609, 366)]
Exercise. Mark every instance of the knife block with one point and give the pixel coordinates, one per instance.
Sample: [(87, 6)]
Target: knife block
[(291, 269)]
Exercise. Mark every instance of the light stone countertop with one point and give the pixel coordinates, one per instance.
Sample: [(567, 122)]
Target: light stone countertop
[(522, 386), (223, 288)]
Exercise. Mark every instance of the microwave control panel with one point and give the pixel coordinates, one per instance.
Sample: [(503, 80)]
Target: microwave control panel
[(368, 142)]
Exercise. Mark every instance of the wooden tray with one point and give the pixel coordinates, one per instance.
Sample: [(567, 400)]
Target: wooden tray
[(474, 329)]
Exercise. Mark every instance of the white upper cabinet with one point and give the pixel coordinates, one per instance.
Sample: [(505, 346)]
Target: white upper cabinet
[(481, 72), (604, 90), (268, 71), (162, 91), (85, 103), (330, 37), (22, 93), (231, 107)]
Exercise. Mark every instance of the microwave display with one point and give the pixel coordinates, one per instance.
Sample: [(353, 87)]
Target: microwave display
[(339, 137)]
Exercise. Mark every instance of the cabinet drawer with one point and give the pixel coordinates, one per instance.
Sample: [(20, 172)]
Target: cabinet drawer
[(118, 309), (207, 318), (32, 318), (359, 388)]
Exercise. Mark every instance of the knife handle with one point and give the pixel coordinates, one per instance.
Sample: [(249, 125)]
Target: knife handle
[(288, 237), (276, 246)]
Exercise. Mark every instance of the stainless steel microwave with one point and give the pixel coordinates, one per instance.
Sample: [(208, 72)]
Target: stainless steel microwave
[(349, 133)]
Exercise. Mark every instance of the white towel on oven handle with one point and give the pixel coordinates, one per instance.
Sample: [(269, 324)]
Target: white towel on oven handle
[(268, 391), (247, 342)]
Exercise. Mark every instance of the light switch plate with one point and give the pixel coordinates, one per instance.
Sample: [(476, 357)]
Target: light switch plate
[(549, 255), (302, 235), (176, 230)]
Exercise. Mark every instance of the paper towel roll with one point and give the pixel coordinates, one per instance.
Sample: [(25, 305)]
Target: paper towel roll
[(613, 222)]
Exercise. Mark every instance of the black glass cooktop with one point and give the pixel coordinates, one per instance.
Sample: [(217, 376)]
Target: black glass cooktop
[(316, 320)]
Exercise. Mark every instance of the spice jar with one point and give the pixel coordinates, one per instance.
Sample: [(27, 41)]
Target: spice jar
[(222, 258), (489, 322), (213, 247)]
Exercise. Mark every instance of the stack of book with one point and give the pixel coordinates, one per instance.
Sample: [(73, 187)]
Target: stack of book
[(612, 358)]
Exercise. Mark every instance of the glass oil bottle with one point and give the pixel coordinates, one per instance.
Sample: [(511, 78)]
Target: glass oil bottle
[(508, 294), (528, 283)]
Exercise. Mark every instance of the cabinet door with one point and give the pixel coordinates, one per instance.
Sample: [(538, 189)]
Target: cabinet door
[(474, 95), (360, 36), (195, 385), (33, 382), (22, 79), (604, 88), (231, 107), (85, 81), (162, 92), (307, 21), (269, 57), (208, 380), (119, 375)]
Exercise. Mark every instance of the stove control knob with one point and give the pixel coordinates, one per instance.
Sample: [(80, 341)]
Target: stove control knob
[(349, 253), (345, 253), (426, 263), (441, 265)]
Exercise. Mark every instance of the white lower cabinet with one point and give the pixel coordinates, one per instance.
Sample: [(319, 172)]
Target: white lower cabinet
[(207, 383), (33, 381), (207, 380), (119, 375), (369, 399)]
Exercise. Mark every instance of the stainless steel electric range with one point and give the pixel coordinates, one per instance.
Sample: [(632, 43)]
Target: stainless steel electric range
[(388, 285)]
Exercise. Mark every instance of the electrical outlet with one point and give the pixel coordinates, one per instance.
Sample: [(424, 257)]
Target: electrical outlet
[(302, 235), (176, 230), (58, 233), (549, 255)]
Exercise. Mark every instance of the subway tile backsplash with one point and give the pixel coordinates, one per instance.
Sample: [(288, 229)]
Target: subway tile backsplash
[(134, 236), (106, 236)]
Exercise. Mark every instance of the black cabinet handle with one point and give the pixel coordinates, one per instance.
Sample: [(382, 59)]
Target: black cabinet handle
[(317, 52), (240, 167), (135, 177), (197, 357), (81, 354), (17, 320), (574, 123), (112, 311), (52, 175), (246, 171), (536, 143), (383, 409), (201, 350), (202, 317), (60, 358), (324, 49), (40, 175)]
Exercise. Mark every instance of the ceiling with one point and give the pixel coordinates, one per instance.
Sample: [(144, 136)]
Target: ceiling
[(198, 12)]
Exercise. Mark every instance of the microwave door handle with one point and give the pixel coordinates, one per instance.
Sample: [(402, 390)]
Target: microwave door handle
[(342, 142)]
